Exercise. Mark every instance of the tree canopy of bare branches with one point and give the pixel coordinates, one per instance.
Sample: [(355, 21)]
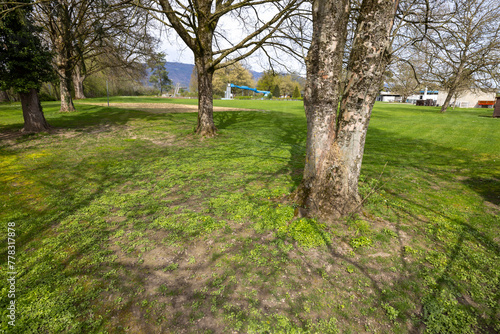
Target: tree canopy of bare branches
[(88, 35), (198, 24), (463, 51)]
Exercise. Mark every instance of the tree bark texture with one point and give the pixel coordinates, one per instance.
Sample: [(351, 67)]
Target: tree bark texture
[(78, 83), (65, 87), (321, 99), (336, 136), (64, 63), (449, 96), (204, 64), (206, 126), (34, 120), (446, 102)]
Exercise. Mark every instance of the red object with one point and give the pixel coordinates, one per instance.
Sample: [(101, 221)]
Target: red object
[(486, 103)]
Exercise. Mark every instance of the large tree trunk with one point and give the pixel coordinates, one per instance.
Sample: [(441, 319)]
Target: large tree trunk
[(64, 68), (206, 126), (78, 83), (367, 63), (335, 145), (65, 87), (321, 99), (34, 120)]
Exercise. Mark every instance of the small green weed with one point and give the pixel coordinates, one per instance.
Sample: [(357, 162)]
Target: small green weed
[(360, 242), (390, 311), (390, 233), (171, 267)]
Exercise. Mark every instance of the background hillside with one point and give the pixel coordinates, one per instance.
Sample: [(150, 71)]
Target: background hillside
[(180, 72)]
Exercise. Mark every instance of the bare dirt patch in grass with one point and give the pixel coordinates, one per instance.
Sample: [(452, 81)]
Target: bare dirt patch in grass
[(160, 108)]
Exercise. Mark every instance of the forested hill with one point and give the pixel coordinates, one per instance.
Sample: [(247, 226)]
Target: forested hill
[(180, 72)]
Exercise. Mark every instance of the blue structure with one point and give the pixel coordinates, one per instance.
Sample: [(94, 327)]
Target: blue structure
[(229, 86)]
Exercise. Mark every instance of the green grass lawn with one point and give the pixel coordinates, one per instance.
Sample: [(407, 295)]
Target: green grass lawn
[(125, 222)]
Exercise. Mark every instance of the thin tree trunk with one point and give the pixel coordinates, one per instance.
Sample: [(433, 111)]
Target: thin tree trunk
[(34, 120), (206, 126), (446, 103), (335, 145), (453, 88)]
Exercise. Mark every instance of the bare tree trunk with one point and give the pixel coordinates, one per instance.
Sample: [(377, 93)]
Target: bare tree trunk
[(335, 145), (4, 97), (446, 103), (66, 99), (453, 89), (206, 126), (367, 63), (64, 67), (321, 99), (34, 120), (78, 83)]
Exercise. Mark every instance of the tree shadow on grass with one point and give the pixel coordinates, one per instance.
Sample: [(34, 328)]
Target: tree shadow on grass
[(78, 226), (88, 116), (45, 235), (216, 289), (456, 235), (488, 188), (285, 131)]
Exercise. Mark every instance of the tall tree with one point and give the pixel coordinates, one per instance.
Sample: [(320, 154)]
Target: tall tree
[(159, 75), (276, 91), (336, 135), (60, 26), (404, 80), (286, 83), (267, 81), (196, 22), (465, 48), (24, 62), (88, 36), (122, 47)]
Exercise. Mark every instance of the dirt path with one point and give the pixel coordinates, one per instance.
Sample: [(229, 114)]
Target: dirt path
[(159, 108)]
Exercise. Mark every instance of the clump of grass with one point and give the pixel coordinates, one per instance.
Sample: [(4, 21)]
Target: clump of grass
[(360, 242), (443, 314), (171, 267)]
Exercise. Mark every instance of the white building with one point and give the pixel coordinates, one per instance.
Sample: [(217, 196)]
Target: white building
[(469, 99), (389, 97)]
